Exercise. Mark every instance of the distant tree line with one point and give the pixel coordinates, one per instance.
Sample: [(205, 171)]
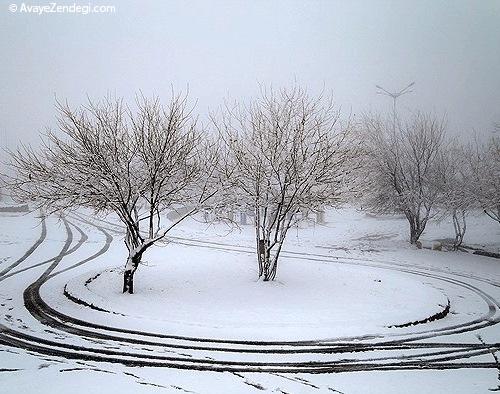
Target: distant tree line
[(413, 168), (283, 153)]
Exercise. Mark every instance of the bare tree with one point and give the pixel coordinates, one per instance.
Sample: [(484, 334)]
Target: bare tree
[(288, 153), (484, 162), (401, 168), (454, 181), (135, 163)]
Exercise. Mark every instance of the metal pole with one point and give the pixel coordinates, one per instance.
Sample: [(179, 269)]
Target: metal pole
[(394, 96)]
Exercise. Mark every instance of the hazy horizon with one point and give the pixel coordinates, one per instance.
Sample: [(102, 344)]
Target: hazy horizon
[(226, 48)]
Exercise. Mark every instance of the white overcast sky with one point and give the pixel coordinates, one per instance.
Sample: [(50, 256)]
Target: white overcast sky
[(451, 49)]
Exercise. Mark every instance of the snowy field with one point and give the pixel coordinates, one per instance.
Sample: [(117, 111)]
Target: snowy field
[(354, 309)]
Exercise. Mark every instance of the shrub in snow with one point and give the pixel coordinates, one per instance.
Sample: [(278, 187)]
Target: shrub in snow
[(437, 246)]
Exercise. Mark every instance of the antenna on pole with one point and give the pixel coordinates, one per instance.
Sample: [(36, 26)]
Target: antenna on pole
[(394, 96)]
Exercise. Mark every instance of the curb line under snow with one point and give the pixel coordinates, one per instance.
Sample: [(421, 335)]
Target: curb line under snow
[(79, 301), (437, 316)]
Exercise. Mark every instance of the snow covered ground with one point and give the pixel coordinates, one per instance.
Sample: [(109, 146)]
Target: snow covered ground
[(335, 320)]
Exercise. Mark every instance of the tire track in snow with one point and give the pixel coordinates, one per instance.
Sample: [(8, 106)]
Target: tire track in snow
[(481, 322), (81, 241), (30, 251), (154, 360), (492, 308)]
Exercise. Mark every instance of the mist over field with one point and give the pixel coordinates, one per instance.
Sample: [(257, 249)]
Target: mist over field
[(226, 48)]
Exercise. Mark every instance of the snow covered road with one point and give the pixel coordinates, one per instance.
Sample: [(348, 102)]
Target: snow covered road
[(52, 308)]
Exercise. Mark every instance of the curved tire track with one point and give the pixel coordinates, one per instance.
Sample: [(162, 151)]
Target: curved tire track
[(30, 251), (452, 357)]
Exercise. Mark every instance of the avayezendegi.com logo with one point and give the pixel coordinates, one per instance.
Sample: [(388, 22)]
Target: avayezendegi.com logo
[(55, 8)]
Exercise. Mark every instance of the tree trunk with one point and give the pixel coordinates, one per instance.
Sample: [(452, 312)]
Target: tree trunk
[(416, 230), (413, 234), (460, 225), (265, 254), (128, 281), (266, 269), (271, 272), (413, 237), (261, 252), (128, 276), (260, 243), (274, 265)]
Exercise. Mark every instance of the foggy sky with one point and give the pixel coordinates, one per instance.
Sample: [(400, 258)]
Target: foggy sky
[(451, 49)]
